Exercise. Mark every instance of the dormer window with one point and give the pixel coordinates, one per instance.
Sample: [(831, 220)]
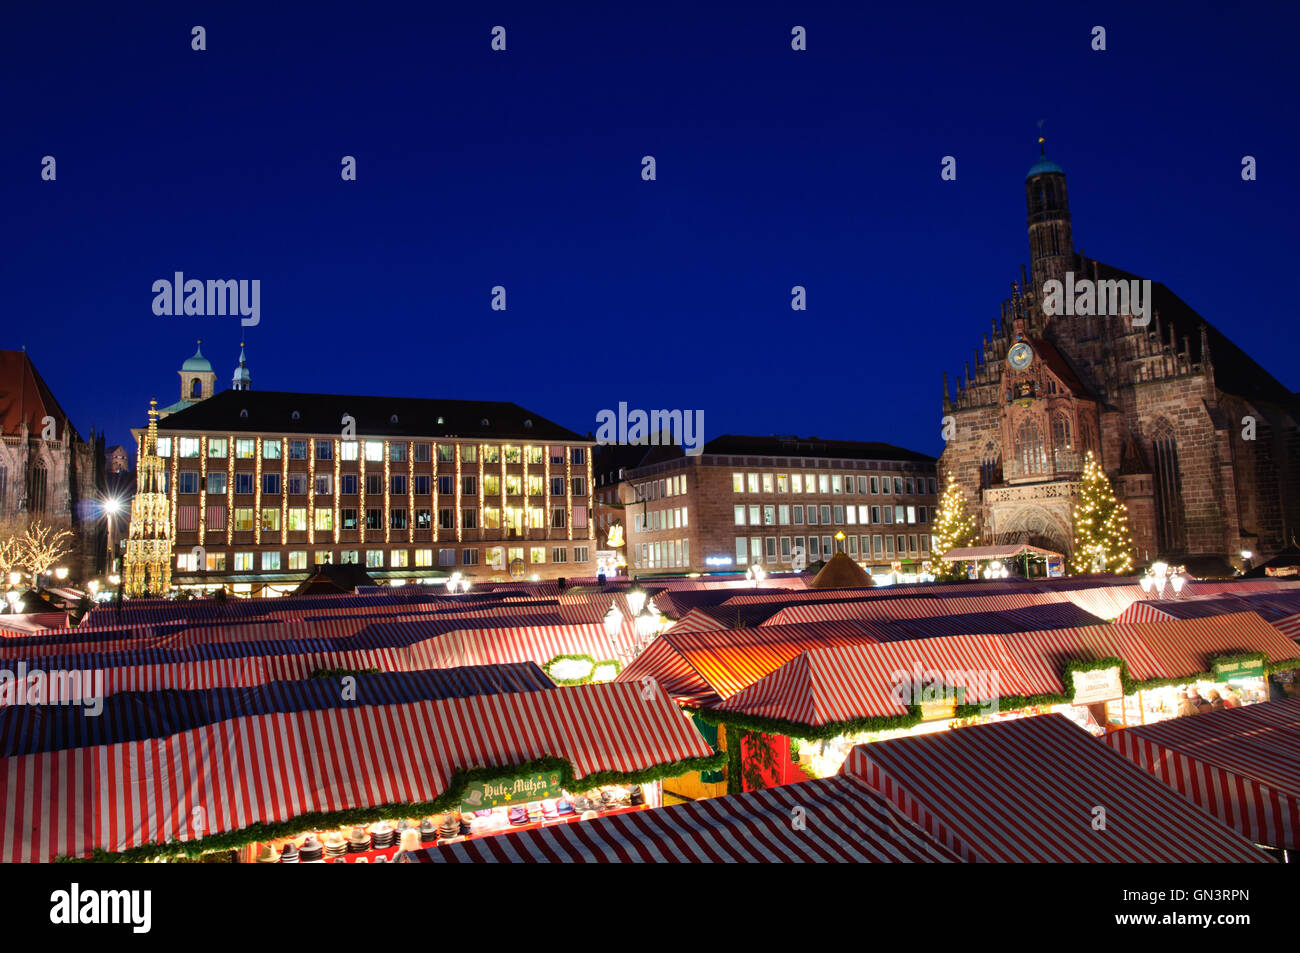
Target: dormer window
[(393, 419), (295, 415), (243, 414)]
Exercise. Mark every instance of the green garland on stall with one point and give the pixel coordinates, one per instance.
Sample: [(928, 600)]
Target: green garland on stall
[(595, 664), (448, 800), (735, 721)]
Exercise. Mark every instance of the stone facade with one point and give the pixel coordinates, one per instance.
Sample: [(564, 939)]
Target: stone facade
[(1200, 442), (48, 473)]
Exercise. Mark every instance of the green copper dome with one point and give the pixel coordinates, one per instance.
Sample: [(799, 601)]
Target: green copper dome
[(198, 362), (1043, 166)]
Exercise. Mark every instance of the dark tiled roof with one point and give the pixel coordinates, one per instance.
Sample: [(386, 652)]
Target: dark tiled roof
[(811, 447), (608, 459), (24, 395), (1235, 372), (1059, 366), (272, 411)]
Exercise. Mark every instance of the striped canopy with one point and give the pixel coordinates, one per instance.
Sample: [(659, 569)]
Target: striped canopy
[(841, 822), (1040, 790), (1242, 765), (273, 768)]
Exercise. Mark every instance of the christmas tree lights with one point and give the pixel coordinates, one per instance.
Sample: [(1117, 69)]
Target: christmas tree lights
[(954, 528), (1102, 541)]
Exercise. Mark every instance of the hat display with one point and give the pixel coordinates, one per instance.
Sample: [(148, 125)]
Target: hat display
[(467, 824), (564, 806), (589, 815), (549, 810), (450, 826), (359, 841), (268, 855), (582, 804), (607, 800), (638, 795), (290, 853), (382, 834), (335, 844), (312, 850), (428, 830), (518, 815)]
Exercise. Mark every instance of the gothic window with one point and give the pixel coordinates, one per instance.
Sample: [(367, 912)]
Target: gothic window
[(1031, 453), (1061, 437), (988, 474), (196, 388), (1168, 487), (4, 489), (36, 490)]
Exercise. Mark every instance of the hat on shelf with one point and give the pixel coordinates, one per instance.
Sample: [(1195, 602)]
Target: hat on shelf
[(268, 855)]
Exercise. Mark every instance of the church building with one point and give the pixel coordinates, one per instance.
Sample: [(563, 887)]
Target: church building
[(1199, 441)]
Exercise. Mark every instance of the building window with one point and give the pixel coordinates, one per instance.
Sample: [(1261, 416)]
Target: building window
[(270, 484), (400, 559), (348, 450), (578, 456), (270, 561), (217, 483), (349, 557), (324, 484), (1168, 488), (397, 454), (374, 558), (189, 446), (421, 484), (164, 446), (468, 519), (397, 519), (469, 557), (557, 518), (324, 557), (243, 519), (298, 559), (446, 453), (324, 519), (187, 481), (243, 562), (348, 484), (217, 447), (580, 554), (375, 453), (1031, 454), (423, 518), (245, 448), (297, 517), (399, 484), (348, 518), (446, 557), (270, 450), (374, 518), (324, 450), (270, 519), (469, 486), (559, 554), (469, 454)]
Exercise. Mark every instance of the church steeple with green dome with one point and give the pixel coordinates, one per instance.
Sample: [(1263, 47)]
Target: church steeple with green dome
[(198, 382), (1051, 238)]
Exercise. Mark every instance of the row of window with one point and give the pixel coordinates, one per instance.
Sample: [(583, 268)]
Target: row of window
[(675, 518), (758, 549), (496, 558), (662, 489), (827, 514), (245, 448), (295, 484), (669, 554), (831, 483), (295, 518)]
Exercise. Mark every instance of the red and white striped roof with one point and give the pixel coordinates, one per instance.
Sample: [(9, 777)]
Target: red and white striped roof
[(270, 768), (1241, 764), (1036, 790), (842, 822)]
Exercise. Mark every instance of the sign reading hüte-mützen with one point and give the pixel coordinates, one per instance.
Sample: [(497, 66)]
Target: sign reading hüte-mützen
[(1098, 685), (1238, 669), (529, 787)]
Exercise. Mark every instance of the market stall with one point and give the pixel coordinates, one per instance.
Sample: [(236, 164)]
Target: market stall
[(833, 820), (238, 775), (1241, 765), (1040, 790)]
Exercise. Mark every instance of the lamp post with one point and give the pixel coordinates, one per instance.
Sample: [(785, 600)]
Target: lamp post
[(112, 507), (636, 597)]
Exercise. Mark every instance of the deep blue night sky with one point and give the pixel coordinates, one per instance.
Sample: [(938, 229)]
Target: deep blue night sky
[(522, 169)]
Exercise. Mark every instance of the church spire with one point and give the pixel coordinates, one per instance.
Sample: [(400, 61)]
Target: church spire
[(243, 379)]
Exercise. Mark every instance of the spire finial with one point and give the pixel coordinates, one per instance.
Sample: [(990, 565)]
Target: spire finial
[(1041, 138)]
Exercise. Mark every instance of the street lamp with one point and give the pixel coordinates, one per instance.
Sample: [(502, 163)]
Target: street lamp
[(756, 573), (636, 597), (61, 573), (613, 620), (93, 587)]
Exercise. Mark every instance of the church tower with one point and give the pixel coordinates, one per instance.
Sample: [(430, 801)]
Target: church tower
[(243, 379), (147, 567), (1051, 241)]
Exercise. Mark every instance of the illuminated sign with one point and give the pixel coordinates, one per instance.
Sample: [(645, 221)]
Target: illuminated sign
[(717, 561), (615, 538)]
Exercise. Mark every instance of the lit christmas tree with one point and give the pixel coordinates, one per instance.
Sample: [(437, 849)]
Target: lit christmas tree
[(1102, 541), (954, 528)]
